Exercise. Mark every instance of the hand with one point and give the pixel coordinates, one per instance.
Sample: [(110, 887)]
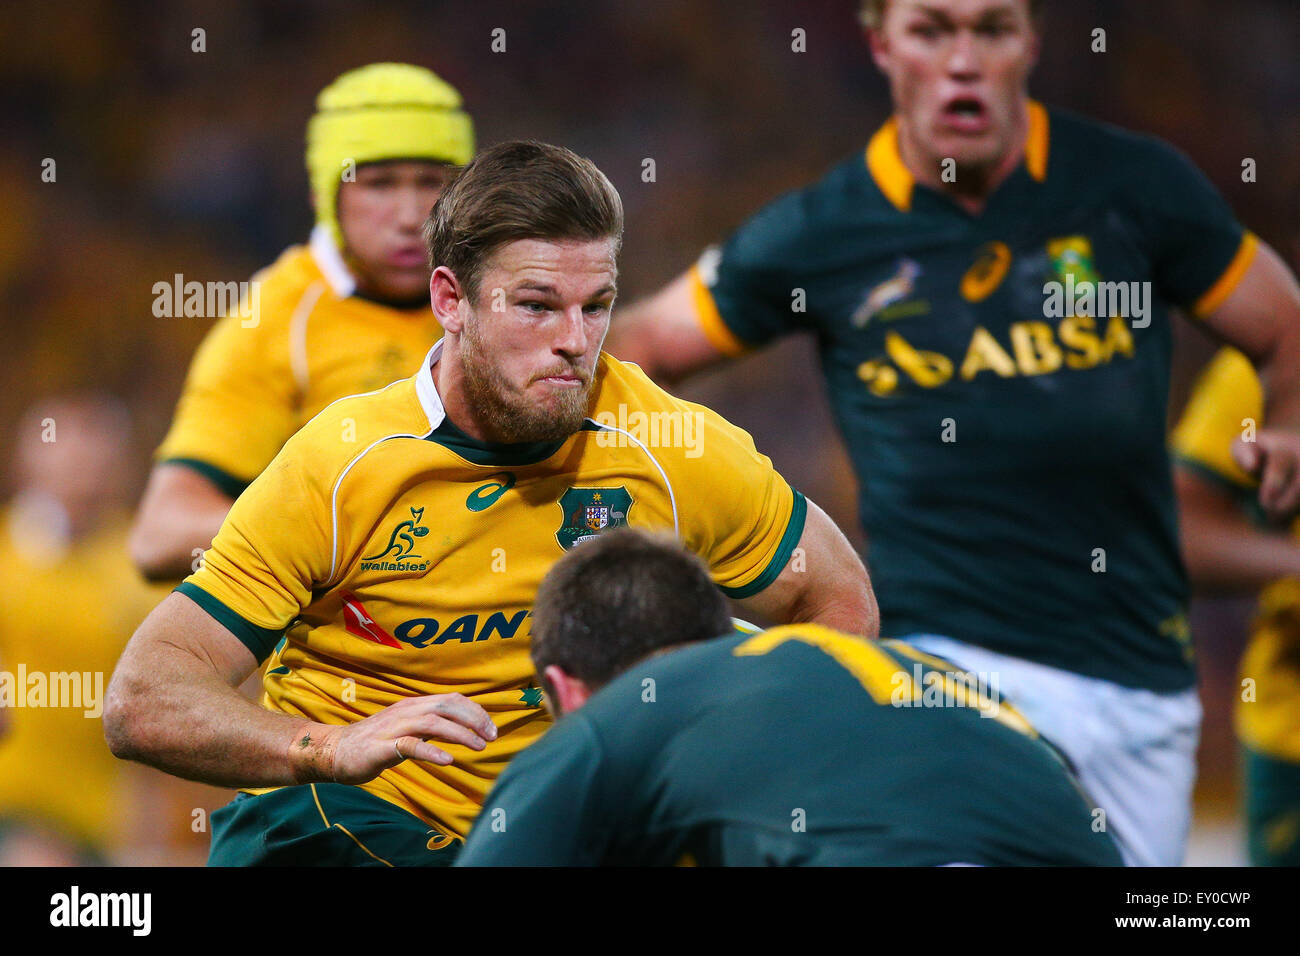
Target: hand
[(361, 751), (1274, 458)]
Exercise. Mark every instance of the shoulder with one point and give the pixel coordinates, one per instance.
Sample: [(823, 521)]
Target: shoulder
[(343, 432), (781, 231), (624, 389), (684, 684), (1139, 159), (292, 283), (268, 305)]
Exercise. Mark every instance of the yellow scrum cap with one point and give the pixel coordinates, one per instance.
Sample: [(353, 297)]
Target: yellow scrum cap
[(378, 112)]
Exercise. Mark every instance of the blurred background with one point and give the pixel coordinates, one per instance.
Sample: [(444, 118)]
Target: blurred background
[(173, 161)]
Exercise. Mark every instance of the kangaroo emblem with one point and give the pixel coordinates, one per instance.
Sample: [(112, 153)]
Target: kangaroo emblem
[(402, 541)]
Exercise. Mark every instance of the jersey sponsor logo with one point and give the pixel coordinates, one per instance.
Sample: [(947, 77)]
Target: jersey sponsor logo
[(399, 554), (589, 511), (422, 632), (485, 496), (992, 262), (886, 300), (359, 622), (1033, 348)]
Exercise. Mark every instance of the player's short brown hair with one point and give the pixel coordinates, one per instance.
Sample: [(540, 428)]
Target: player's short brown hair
[(872, 12), (617, 599), (518, 190)]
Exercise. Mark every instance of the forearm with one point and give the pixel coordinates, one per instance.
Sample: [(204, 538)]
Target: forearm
[(1233, 557), (196, 726), (173, 704)]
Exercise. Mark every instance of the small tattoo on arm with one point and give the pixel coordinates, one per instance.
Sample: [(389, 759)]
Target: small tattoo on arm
[(305, 742)]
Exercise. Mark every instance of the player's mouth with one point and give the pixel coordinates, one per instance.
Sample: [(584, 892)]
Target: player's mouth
[(408, 257), (568, 379), (966, 114)]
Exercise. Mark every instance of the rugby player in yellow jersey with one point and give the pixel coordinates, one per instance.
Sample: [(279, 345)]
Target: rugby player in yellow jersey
[(1229, 547), (388, 558), (71, 601), (346, 313)]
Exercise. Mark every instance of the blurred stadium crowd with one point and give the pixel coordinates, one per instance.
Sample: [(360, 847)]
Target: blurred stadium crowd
[(175, 161)]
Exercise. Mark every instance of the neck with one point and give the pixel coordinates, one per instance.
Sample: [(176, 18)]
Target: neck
[(449, 380), (972, 185)]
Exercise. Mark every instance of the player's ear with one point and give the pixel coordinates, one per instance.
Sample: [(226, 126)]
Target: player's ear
[(879, 48), (570, 692), (445, 294)]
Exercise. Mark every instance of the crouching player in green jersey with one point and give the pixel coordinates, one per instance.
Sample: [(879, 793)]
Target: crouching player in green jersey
[(798, 745)]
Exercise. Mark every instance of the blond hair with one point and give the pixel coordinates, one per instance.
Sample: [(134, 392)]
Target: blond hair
[(872, 12)]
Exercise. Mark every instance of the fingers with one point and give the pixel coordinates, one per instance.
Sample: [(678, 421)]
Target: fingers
[(1246, 454), (413, 748), (1279, 487), (452, 718), (458, 709), (1275, 457)]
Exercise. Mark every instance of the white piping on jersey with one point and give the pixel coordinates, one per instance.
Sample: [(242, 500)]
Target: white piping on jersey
[(330, 262), (672, 499), (334, 498), (430, 402), (298, 334)]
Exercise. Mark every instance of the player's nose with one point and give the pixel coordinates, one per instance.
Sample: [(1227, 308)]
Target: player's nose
[(410, 212), (572, 338), (963, 56)]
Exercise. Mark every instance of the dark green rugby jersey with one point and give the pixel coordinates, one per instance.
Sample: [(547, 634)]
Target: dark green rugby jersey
[(1007, 451), (788, 747)]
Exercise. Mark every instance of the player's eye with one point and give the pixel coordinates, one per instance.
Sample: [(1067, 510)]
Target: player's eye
[(926, 31), (596, 308), (994, 30), (533, 306)]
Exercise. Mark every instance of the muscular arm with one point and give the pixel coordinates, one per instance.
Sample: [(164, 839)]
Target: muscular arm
[(173, 704), (181, 510), (1262, 318), (824, 583), (663, 335), (1224, 550)]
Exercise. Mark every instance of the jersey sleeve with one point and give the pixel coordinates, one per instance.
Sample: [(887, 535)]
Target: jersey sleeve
[(735, 509), (1226, 397), (550, 807), (238, 405), (744, 291), (1200, 250), (273, 549)]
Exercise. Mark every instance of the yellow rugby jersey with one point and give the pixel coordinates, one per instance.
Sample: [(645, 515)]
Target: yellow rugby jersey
[(1226, 395), (256, 380), (403, 557), (69, 610)]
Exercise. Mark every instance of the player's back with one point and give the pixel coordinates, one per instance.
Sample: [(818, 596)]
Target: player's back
[(797, 746)]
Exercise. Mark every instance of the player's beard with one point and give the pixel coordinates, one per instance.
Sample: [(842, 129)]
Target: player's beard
[(511, 417)]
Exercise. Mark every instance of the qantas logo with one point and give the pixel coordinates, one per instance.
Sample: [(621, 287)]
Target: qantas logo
[(358, 622)]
